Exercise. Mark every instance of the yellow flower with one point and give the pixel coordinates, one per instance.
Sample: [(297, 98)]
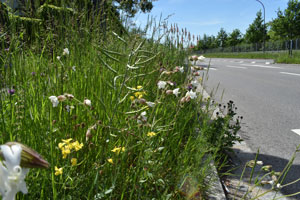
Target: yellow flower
[(65, 152), (110, 161), (117, 150), (67, 141), (151, 134), (77, 146), (139, 87), (131, 98), (74, 161), (60, 145), (58, 171)]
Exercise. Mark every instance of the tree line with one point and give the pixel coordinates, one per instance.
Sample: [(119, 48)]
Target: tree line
[(286, 26)]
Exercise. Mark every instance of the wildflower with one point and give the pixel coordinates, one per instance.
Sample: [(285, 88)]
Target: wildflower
[(29, 157), (201, 58), (69, 96), (139, 95), (77, 146), (117, 150), (11, 91), (259, 162), (195, 83), (33, 73), (181, 69), (170, 83), (139, 87), (150, 104), (169, 92), (67, 141), (176, 92), (58, 57), (58, 171), (131, 98), (191, 94), (54, 101), (65, 151), (143, 115), (161, 84), (87, 102), (61, 98), (11, 174), (74, 68), (151, 134), (66, 51), (110, 161), (74, 161)]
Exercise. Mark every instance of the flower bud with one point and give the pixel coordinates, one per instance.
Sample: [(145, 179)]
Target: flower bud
[(61, 98), (29, 157)]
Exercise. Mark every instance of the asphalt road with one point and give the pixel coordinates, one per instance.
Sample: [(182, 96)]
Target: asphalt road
[(268, 97)]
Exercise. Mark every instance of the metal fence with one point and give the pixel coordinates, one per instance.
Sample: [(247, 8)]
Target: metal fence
[(257, 47)]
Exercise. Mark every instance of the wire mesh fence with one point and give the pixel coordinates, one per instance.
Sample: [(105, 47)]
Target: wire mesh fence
[(271, 46)]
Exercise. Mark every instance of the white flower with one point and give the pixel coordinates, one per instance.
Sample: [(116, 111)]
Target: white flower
[(54, 100), (194, 83), (176, 92), (191, 94), (181, 69), (150, 104), (66, 51), (161, 84), (58, 57), (259, 162), (201, 58), (143, 117), (11, 174), (74, 68), (87, 102)]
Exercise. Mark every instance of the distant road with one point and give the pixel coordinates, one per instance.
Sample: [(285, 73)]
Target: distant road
[(268, 97)]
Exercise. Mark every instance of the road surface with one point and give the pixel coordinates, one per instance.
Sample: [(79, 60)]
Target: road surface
[(268, 97)]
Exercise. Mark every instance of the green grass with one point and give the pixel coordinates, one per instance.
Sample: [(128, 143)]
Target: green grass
[(279, 57), (109, 70)]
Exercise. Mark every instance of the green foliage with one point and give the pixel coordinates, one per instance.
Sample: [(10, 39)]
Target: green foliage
[(256, 31), (222, 38), (287, 23), (279, 57), (235, 38)]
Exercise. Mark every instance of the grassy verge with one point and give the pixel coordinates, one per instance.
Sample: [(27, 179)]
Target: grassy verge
[(278, 57), (114, 113)]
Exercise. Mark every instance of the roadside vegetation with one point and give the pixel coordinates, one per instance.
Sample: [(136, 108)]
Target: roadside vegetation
[(278, 57), (115, 113)]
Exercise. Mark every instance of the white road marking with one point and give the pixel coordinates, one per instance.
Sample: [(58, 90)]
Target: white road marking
[(267, 63), (236, 67), (297, 131), (241, 61), (253, 62), (262, 66), (212, 69), (288, 73)]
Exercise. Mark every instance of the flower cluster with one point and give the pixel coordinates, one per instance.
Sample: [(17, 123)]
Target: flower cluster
[(66, 146), (56, 99)]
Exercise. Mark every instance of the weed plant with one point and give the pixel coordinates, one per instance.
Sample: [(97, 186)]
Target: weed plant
[(110, 109)]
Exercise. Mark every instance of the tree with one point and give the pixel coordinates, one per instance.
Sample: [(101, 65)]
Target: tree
[(235, 38), (256, 31), (222, 38), (131, 7), (287, 23)]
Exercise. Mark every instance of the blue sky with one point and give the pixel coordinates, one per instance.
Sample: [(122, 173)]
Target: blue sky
[(209, 16)]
